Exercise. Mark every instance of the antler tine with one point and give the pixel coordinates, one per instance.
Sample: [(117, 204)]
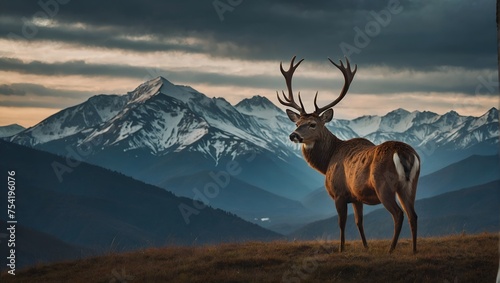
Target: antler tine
[(301, 104), (289, 101), (316, 98), (348, 77)]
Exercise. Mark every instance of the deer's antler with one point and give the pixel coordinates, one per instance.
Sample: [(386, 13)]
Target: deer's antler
[(348, 77), (289, 101)]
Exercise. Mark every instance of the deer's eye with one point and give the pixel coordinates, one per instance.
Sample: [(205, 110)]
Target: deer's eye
[(312, 125)]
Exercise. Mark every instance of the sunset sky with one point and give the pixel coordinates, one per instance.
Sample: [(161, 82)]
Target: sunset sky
[(416, 55)]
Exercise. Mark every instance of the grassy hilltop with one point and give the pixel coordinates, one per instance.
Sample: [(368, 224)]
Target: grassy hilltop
[(460, 258)]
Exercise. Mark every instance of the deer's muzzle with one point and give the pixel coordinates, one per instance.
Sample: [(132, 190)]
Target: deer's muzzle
[(295, 137)]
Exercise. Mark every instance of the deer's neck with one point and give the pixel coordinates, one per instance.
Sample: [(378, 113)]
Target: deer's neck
[(319, 154)]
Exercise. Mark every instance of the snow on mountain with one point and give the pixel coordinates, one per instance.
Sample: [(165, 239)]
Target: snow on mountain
[(489, 117), (474, 130), (397, 121), (218, 145), (365, 125), (217, 112), (450, 121), (161, 131), (272, 123), (450, 130), (162, 118), (146, 90), (260, 107), (10, 130), (70, 121), (162, 124), (341, 129), (166, 118)]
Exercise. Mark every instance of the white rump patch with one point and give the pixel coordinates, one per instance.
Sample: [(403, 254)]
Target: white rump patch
[(399, 167), (401, 171), (414, 169)]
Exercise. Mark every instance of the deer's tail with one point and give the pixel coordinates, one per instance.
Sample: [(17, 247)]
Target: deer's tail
[(408, 170)]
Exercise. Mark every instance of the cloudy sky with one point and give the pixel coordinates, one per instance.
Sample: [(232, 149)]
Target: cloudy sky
[(417, 55)]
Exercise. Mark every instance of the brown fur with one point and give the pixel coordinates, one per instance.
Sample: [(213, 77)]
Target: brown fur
[(356, 171), (359, 172)]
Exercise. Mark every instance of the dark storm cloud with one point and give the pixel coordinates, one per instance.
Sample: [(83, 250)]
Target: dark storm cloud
[(109, 37), (10, 90), (63, 97), (100, 71), (76, 67), (23, 89), (419, 35), (40, 103), (145, 73)]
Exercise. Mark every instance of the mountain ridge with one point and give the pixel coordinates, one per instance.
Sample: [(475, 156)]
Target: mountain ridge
[(160, 131), (258, 121), (10, 130), (95, 208)]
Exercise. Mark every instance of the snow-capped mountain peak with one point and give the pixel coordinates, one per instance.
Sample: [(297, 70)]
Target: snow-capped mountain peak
[(365, 125), (491, 115), (162, 117), (10, 130), (398, 112), (153, 87), (258, 106), (158, 117), (398, 121)]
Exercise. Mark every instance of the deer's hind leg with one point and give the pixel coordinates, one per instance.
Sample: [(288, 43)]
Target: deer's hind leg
[(358, 216), (407, 201), (388, 199)]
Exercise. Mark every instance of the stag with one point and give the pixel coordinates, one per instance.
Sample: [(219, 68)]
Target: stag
[(356, 171)]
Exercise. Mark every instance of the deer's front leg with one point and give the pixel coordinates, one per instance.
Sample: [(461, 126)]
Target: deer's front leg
[(341, 206)]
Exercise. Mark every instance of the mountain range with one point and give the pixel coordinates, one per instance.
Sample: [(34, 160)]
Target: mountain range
[(142, 132), (112, 172), (94, 211), (162, 118), (10, 130), (177, 138)]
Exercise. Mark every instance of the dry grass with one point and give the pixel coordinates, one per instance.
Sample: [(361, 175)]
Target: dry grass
[(448, 259)]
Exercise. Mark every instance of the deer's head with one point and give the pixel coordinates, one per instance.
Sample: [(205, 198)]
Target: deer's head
[(311, 126)]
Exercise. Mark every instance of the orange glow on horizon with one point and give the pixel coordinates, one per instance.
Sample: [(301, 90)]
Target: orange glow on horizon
[(24, 116)]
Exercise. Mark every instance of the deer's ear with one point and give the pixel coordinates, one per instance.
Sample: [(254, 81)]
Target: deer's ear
[(294, 117), (327, 116)]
